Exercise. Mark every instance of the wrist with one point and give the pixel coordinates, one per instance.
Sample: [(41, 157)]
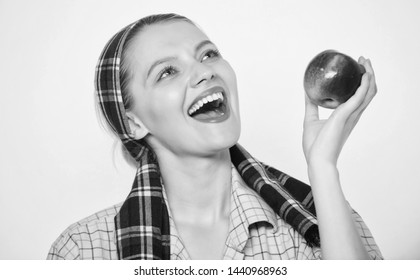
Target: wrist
[(321, 169)]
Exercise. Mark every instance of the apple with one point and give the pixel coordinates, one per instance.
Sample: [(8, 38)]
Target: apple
[(331, 78)]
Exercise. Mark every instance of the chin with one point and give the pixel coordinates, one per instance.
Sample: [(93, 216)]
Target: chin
[(217, 140), (226, 139)]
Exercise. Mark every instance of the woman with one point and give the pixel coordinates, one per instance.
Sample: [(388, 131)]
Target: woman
[(169, 95)]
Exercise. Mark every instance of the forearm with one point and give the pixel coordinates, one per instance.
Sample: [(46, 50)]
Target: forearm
[(338, 233)]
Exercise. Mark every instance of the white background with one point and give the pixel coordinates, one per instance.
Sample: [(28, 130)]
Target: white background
[(56, 163)]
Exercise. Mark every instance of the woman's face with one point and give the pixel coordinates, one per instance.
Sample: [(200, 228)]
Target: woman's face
[(184, 92)]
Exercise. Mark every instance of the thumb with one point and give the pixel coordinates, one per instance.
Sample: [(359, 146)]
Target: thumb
[(311, 110)]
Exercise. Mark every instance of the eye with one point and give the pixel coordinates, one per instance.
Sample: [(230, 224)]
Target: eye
[(166, 72), (210, 54)]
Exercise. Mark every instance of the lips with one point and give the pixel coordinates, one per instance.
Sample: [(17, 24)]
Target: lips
[(211, 106)]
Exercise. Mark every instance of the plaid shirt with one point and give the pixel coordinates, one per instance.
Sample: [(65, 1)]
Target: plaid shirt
[(255, 232)]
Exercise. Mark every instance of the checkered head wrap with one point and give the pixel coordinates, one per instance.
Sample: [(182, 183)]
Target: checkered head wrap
[(142, 224)]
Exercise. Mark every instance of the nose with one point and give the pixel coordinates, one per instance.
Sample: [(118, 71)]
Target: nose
[(201, 74)]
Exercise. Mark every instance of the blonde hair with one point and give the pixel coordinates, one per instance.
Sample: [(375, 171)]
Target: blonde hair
[(126, 75)]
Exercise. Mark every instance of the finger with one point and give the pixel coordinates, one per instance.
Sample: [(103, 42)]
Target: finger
[(373, 89), (354, 118), (311, 110), (368, 66), (372, 86), (351, 105), (362, 97)]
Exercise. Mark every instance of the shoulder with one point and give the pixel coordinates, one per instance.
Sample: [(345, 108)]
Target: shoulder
[(278, 241), (96, 220), (262, 232), (366, 236), (89, 238)]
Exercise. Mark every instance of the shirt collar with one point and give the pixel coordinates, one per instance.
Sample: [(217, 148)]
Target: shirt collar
[(247, 208)]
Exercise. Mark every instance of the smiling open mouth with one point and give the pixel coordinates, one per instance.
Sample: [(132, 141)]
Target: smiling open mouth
[(211, 108)]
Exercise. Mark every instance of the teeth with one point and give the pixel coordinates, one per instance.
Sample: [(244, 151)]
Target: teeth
[(200, 103)]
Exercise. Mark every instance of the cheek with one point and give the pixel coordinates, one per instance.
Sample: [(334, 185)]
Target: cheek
[(229, 76), (163, 106), (230, 79), (228, 70)]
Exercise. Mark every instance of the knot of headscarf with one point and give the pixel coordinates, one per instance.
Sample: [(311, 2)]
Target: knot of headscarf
[(142, 224)]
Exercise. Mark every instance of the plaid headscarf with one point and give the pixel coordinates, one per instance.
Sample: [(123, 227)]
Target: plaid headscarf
[(142, 224)]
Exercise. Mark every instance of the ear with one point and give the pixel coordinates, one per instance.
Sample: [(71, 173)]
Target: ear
[(138, 129)]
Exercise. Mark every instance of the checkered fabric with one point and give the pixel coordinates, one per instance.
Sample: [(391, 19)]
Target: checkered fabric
[(290, 199), (142, 224), (255, 232)]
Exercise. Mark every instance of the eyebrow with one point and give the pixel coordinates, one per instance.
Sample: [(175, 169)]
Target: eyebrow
[(202, 44), (163, 60), (158, 62)]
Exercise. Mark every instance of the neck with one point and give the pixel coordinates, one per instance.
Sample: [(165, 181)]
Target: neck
[(198, 188)]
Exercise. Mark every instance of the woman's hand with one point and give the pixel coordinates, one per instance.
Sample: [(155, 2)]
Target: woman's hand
[(322, 144), (324, 139)]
